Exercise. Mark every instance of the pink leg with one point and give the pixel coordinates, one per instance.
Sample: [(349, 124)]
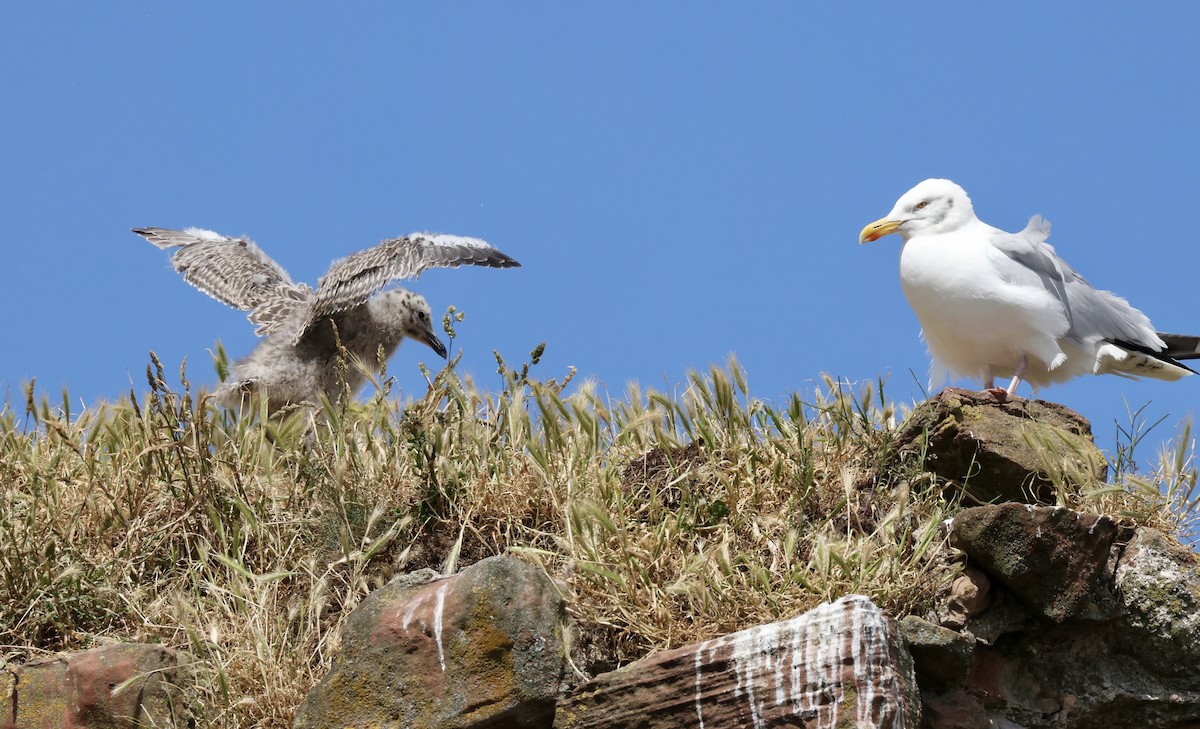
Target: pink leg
[(1003, 393), (1020, 372)]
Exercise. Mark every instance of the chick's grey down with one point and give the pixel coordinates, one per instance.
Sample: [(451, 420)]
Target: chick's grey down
[(298, 359), (997, 304)]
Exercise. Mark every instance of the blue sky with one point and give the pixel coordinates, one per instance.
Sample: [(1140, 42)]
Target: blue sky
[(680, 181)]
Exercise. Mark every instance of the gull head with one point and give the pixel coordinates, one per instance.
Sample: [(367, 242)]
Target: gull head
[(408, 315), (932, 207)]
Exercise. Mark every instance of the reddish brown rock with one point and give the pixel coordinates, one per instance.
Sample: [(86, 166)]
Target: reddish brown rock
[(122, 685), (1000, 451), (954, 710), (1140, 669), (839, 665), (483, 648), (1053, 559)]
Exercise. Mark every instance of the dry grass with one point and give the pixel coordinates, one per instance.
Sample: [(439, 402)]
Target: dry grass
[(666, 517)]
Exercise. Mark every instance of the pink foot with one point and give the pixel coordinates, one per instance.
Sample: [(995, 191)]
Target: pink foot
[(999, 393)]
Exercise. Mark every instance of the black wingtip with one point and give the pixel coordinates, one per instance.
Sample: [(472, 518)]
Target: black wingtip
[(1180, 346), (501, 260), (149, 232)]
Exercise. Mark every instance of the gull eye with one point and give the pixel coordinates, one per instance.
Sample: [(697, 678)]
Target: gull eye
[(421, 314), (920, 205)]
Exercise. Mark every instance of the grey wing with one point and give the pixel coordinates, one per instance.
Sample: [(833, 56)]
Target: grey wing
[(1091, 313), (233, 271), (353, 279)]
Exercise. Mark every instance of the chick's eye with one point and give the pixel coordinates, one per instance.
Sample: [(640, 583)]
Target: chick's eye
[(421, 314), (920, 205)]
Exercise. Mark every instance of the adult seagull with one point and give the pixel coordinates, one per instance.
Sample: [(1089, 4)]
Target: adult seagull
[(997, 304)]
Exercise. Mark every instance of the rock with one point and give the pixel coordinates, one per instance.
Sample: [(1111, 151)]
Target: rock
[(483, 648), (941, 656), (969, 596), (1000, 451), (77, 690), (1159, 583), (839, 665), (954, 710), (1005, 614), (1077, 675), (1138, 670), (1053, 559)]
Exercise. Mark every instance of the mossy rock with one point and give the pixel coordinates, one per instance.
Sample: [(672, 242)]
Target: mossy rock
[(1017, 450)]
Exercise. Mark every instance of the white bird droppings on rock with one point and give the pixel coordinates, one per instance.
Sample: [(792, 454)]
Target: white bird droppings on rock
[(840, 664)]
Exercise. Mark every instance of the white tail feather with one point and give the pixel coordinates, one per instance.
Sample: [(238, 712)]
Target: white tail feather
[(1111, 359)]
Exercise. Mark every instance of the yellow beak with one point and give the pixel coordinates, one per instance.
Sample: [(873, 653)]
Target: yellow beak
[(878, 229)]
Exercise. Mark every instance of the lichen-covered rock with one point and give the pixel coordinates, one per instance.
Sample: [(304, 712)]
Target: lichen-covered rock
[(1159, 583), (942, 656), (483, 648), (120, 685), (1001, 451), (1053, 559), (839, 665)]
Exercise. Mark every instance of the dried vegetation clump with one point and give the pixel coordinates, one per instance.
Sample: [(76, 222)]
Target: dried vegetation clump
[(665, 518)]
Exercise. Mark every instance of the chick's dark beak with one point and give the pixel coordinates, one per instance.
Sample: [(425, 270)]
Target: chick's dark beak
[(427, 336)]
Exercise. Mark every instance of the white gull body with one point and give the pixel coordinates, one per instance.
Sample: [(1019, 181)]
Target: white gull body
[(998, 304)]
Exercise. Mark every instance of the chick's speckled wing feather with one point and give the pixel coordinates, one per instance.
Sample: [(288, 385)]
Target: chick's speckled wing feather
[(233, 271), (355, 278), (1091, 313)]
